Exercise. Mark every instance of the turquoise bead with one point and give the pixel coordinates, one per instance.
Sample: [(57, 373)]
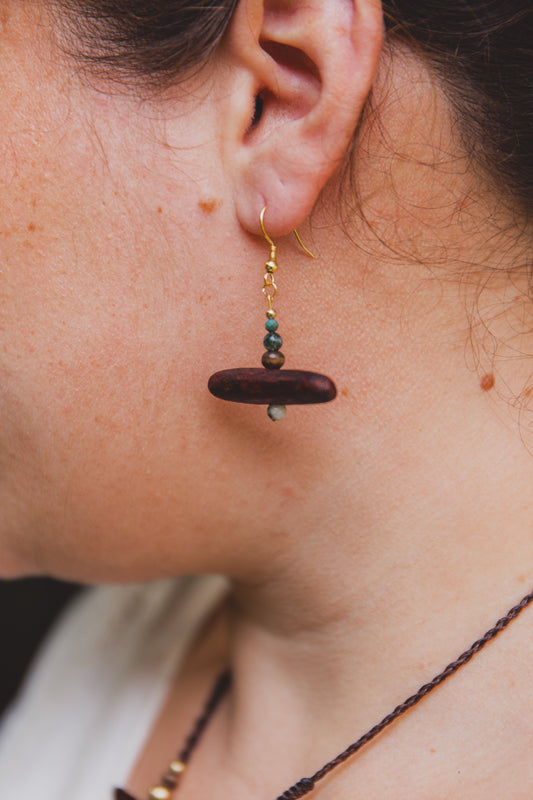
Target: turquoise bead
[(271, 325), (273, 341)]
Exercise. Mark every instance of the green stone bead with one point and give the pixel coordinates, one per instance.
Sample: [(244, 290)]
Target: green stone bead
[(273, 360), (272, 341), (271, 325)]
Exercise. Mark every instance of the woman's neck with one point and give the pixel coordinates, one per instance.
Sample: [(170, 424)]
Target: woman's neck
[(416, 541), (357, 618)]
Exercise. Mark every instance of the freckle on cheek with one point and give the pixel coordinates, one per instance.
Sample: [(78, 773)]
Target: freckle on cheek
[(487, 382), (209, 204), (288, 492)]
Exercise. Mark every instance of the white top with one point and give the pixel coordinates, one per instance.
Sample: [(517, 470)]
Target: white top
[(94, 693)]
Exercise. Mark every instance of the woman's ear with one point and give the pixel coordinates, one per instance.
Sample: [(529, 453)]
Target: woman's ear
[(301, 72)]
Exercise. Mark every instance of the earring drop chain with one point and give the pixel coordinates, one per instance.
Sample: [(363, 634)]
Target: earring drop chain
[(273, 358)]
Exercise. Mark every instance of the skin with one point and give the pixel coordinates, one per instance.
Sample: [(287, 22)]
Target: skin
[(370, 541)]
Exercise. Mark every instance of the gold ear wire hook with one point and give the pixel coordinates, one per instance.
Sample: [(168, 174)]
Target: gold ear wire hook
[(273, 258), (302, 245), (262, 221), (273, 248)]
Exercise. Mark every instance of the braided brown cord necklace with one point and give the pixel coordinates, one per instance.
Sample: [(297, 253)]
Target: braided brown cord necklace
[(176, 769)]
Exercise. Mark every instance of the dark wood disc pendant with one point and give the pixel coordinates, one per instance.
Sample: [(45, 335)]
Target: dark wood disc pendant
[(272, 387)]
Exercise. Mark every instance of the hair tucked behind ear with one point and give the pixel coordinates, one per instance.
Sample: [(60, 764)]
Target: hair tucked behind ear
[(482, 51)]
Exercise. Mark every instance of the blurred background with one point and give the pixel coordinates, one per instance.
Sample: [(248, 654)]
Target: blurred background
[(28, 608)]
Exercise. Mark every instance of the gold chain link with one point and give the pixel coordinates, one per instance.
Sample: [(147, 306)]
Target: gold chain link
[(270, 288)]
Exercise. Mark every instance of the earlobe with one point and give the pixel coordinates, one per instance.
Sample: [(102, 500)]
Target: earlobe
[(307, 67)]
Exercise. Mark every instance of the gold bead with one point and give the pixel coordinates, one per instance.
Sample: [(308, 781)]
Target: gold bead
[(159, 793), (176, 767), (271, 266), (271, 314)]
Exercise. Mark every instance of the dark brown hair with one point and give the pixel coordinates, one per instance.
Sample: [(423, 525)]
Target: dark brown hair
[(151, 42), (481, 50)]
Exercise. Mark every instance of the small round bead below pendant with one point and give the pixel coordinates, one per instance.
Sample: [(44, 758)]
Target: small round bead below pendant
[(276, 413)]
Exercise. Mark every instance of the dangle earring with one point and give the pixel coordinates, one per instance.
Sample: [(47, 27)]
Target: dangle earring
[(271, 386)]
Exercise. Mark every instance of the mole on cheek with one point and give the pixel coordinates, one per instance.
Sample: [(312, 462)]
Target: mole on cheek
[(487, 382)]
